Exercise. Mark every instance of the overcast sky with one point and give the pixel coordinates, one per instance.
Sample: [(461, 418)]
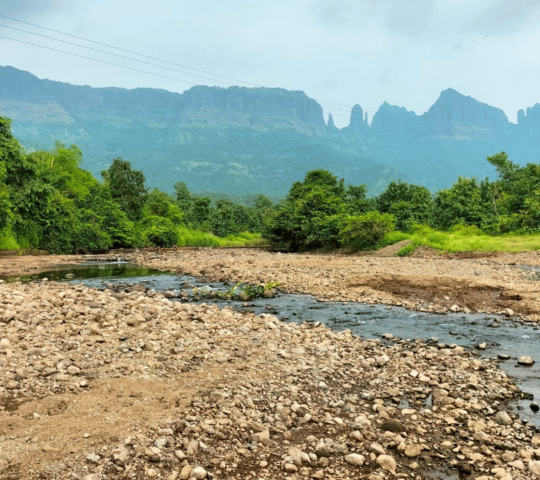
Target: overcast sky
[(343, 51)]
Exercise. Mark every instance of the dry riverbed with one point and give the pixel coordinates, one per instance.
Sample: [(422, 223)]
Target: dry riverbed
[(106, 385), (490, 283)]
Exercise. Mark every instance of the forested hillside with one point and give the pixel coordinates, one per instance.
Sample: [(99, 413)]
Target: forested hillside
[(246, 141)]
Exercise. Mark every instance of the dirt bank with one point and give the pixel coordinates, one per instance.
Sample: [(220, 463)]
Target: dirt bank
[(494, 284), (102, 385), (32, 264)]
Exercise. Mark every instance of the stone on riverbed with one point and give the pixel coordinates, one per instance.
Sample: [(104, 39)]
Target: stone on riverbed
[(526, 360)]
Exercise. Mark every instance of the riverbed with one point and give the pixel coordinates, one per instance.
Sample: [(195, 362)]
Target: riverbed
[(501, 336)]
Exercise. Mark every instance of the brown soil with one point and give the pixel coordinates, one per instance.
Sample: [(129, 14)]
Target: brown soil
[(391, 250)]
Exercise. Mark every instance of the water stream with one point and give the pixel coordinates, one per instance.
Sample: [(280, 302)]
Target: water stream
[(502, 336)]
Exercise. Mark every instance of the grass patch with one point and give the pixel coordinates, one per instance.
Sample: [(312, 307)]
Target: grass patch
[(196, 238), (7, 241), (469, 240)]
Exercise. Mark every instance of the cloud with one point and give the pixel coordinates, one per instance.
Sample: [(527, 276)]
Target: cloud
[(30, 9), (411, 18), (501, 16)]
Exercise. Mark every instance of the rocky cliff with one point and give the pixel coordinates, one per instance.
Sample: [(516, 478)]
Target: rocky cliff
[(249, 140)]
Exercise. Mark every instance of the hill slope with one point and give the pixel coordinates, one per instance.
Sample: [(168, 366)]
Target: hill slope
[(257, 140)]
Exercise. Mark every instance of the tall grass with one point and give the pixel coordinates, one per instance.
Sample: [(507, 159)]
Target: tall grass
[(468, 239), (7, 240), (196, 238)]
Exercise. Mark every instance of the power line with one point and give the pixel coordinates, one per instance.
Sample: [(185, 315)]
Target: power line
[(113, 54), (347, 107), (268, 92), (96, 60)]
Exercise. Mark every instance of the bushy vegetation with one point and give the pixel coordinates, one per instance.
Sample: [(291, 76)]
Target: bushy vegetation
[(322, 213), (47, 201)]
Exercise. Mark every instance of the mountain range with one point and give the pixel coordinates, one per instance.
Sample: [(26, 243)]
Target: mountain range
[(241, 141)]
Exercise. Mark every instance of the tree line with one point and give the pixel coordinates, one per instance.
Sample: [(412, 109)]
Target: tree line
[(47, 201), (321, 212)]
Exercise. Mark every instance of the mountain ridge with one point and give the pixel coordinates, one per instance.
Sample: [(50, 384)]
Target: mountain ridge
[(249, 140)]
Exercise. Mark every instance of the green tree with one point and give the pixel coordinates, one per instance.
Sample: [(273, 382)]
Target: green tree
[(302, 220), (410, 204), (161, 204), (229, 218), (366, 231), (127, 187), (183, 196)]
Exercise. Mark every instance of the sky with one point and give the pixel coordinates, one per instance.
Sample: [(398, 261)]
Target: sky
[(340, 52)]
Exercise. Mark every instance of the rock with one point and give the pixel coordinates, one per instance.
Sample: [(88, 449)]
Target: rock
[(120, 457), (503, 356), (413, 451), (535, 441), (502, 418), (387, 463), (413, 373), (454, 308), (185, 473), (72, 370), (199, 473), (392, 425), (377, 449), (91, 476), (261, 437), (534, 467), (290, 468), (534, 407), (382, 360), (180, 454), (509, 312), (355, 459), (508, 456), (525, 360), (93, 458)]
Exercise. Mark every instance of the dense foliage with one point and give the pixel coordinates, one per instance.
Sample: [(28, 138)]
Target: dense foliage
[(321, 212), (47, 201)]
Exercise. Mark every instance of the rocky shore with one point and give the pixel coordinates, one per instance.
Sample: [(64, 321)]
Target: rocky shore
[(495, 283), (104, 385)]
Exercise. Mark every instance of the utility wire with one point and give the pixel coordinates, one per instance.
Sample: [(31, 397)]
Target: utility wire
[(154, 58), (95, 59), (268, 92)]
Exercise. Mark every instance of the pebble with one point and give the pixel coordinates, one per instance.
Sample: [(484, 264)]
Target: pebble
[(291, 400), (526, 360)]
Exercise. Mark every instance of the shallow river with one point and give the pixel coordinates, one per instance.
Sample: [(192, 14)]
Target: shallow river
[(468, 330)]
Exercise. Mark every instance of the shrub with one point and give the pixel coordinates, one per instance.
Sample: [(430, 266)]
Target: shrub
[(158, 231), (366, 231)]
